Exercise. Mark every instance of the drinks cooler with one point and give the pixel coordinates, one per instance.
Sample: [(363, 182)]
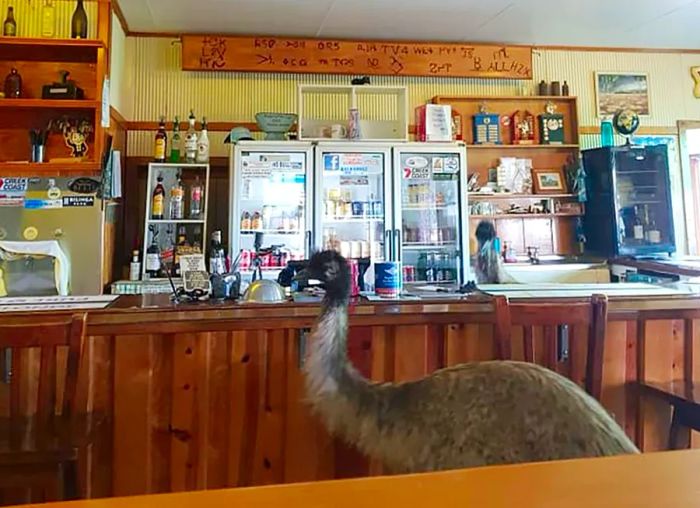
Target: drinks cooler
[(369, 201)]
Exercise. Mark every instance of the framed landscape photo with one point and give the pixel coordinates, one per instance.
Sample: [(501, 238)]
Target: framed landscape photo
[(622, 90), (549, 181)]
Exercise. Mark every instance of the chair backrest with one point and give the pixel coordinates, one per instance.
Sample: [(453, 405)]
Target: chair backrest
[(543, 341), (44, 335)]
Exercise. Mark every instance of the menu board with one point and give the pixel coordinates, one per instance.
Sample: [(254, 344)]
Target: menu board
[(382, 58)]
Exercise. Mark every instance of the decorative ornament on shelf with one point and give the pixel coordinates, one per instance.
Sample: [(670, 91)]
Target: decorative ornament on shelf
[(487, 127), (551, 126), (523, 128), (626, 122), (695, 73), (75, 133)]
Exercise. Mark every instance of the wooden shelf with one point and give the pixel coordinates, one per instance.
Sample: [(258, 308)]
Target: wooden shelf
[(521, 147), (494, 197), (49, 104), (48, 168), (526, 216), (51, 42), (439, 99)]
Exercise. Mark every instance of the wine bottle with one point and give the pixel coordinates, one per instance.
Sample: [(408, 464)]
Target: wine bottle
[(153, 259), (9, 26), (79, 22), (48, 19), (161, 142)]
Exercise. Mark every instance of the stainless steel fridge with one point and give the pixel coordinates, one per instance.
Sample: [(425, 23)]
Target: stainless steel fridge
[(430, 213), (272, 203)]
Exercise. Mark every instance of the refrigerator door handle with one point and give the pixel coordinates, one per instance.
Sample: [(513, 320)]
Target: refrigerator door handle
[(308, 243), (387, 239), (397, 244)]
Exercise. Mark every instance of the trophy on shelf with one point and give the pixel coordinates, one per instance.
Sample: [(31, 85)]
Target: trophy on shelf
[(487, 130), (523, 127), (551, 126)]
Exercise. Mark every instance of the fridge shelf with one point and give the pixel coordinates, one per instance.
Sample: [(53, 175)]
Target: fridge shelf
[(419, 246), (353, 219), (270, 231), (176, 221), (427, 207)]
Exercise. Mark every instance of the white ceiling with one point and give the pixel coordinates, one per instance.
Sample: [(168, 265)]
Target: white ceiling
[(614, 23)]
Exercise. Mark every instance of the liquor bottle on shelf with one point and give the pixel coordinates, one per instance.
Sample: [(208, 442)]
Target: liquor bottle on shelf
[(217, 256), (135, 266), (203, 143), (158, 200), (9, 26), (196, 192), (161, 142), (177, 200), (638, 228), (153, 258), (79, 22), (191, 140), (48, 19), (175, 142), (197, 240), (179, 249), (13, 85)]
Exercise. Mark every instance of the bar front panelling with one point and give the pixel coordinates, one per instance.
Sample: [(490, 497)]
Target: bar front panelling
[(28, 17)]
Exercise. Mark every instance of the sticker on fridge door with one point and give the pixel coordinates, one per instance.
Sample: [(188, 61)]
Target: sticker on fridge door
[(331, 163), (12, 191), (416, 167), (256, 169)]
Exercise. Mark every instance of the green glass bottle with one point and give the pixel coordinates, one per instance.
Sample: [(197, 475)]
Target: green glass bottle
[(9, 26), (175, 142), (79, 22)]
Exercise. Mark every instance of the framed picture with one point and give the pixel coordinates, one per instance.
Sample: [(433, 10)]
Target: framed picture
[(622, 90), (549, 181)]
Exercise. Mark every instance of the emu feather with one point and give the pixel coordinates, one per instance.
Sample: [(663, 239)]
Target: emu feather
[(497, 412)]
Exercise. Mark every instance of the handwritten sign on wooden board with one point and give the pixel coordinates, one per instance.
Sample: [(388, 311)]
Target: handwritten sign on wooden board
[(321, 56)]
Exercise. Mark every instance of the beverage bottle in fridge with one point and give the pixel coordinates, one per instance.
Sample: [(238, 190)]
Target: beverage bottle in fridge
[(196, 192), (177, 200), (256, 222), (191, 140), (245, 222), (158, 200)]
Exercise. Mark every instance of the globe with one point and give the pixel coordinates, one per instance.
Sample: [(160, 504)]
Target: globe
[(626, 122)]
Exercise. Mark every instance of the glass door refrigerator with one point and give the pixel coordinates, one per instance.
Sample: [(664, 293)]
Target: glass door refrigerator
[(353, 200), (431, 231), (272, 203)]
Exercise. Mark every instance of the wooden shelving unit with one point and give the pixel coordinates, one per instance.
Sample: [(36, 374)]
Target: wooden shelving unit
[(38, 61), (560, 239)]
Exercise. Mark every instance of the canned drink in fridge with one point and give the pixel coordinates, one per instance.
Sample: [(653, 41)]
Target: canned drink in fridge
[(354, 277)]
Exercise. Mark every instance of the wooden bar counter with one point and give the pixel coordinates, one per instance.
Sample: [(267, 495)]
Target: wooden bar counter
[(212, 395)]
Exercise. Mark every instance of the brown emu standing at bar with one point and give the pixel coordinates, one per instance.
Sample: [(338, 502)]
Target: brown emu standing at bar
[(497, 412)]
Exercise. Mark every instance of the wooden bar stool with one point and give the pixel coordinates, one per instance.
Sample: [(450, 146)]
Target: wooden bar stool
[(37, 450), (546, 323)]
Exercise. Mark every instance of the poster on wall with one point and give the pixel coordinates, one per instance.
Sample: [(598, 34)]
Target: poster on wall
[(622, 90)]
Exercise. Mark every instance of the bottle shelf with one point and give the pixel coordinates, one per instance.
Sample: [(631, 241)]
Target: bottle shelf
[(477, 196), (49, 104), (271, 231), (426, 207), (341, 219), (421, 246), (176, 221)]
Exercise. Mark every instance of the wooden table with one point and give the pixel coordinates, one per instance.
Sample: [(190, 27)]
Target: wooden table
[(667, 479)]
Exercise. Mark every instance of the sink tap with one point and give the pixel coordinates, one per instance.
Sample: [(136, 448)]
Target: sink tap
[(533, 255)]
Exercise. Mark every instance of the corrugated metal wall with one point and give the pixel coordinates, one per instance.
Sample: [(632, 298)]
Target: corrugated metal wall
[(28, 16), (159, 86)]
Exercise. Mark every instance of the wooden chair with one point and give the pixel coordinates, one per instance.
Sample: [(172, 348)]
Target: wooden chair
[(683, 395), (551, 324), (36, 446)]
